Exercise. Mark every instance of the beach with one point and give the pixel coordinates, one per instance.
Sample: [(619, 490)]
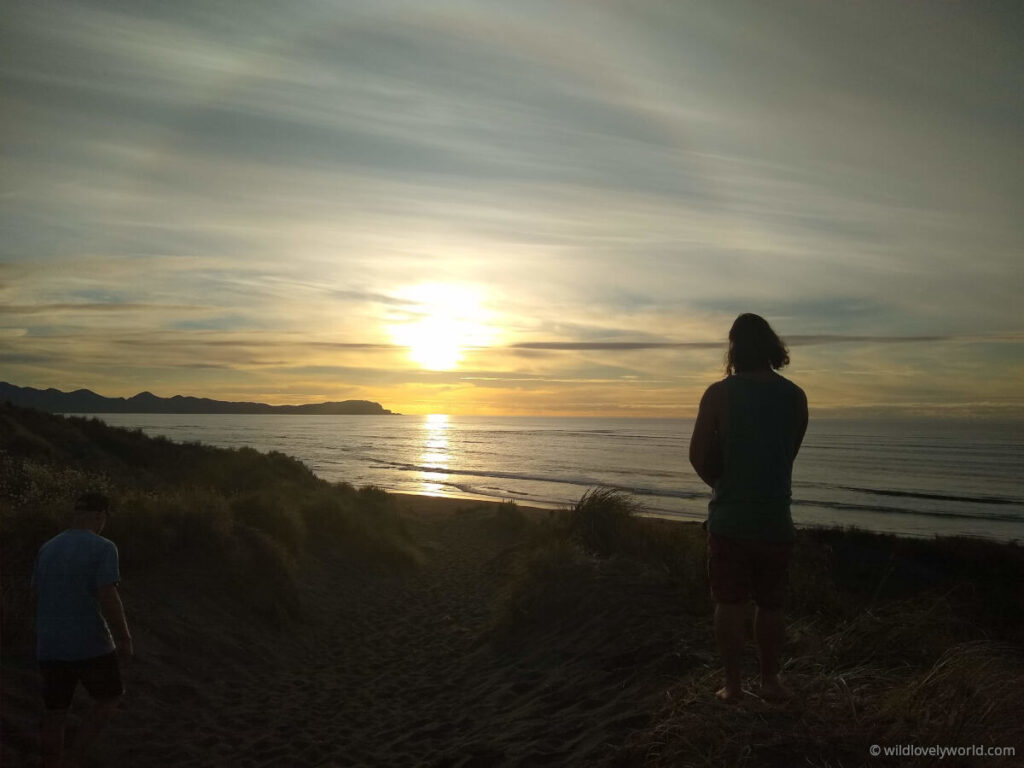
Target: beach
[(386, 667), (408, 666)]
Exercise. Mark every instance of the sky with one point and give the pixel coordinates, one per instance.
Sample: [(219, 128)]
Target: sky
[(551, 208)]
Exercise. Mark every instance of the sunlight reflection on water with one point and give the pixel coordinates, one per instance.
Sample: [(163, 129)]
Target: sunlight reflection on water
[(434, 455)]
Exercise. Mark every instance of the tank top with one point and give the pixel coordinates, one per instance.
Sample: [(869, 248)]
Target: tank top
[(751, 498)]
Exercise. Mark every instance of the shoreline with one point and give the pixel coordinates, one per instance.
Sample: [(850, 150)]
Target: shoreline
[(942, 510), (476, 499), (452, 504)]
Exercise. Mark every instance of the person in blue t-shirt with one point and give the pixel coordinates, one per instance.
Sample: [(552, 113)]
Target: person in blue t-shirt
[(78, 616)]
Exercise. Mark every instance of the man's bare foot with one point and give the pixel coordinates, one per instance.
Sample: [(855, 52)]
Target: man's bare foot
[(773, 690), (728, 694)]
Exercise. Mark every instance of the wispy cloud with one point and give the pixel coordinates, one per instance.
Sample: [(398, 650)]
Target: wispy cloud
[(799, 340), (612, 179), (35, 309), (796, 340), (616, 346)]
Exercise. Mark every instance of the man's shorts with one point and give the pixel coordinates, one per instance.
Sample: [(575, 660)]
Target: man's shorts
[(740, 570), (100, 675)]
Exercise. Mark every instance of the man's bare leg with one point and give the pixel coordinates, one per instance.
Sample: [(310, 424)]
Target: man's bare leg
[(91, 727), (52, 737), (769, 631), (730, 633)]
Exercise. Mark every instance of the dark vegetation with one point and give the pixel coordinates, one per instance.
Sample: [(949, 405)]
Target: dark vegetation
[(890, 640), (186, 512)]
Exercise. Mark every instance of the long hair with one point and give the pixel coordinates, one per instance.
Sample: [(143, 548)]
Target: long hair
[(753, 345)]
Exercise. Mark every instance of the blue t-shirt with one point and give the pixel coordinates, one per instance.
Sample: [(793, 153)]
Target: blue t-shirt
[(70, 568)]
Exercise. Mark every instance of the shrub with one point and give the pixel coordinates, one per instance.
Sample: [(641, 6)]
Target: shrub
[(155, 527), (602, 521), (263, 568), (270, 514), (812, 589), (327, 517), (22, 531), (374, 499), (510, 517), (378, 533), (971, 695), (679, 550), (37, 487), (544, 581)]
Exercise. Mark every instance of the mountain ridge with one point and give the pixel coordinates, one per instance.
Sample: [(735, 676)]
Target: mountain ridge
[(87, 401)]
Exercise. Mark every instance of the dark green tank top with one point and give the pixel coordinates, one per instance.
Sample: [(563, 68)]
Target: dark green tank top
[(751, 498)]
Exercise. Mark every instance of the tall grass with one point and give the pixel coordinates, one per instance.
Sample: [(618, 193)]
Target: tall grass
[(242, 518), (890, 641), (603, 521)]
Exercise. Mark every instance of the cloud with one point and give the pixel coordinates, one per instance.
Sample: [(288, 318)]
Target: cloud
[(16, 358), (34, 309), (802, 340), (616, 346), (203, 366), (370, 297), (253, 343), (794, 340)]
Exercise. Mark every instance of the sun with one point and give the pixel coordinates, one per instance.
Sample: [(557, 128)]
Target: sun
[(434, 343), (441, 322)]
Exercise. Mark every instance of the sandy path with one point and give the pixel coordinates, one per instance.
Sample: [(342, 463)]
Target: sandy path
[(389, 670)]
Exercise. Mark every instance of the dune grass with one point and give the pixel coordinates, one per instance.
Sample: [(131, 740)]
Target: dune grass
[(890, 641), (240, 517)]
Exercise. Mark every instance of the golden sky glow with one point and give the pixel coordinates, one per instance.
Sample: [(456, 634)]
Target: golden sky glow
[(446, 319), (470, 207)]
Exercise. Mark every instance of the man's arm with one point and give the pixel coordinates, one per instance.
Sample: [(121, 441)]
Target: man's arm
[(705, 443), (113, 612), (801, 421)]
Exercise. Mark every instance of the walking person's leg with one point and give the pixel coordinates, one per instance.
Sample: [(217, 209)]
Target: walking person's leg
[(51, 737), (101, 677), (59, 679), (91, 727)]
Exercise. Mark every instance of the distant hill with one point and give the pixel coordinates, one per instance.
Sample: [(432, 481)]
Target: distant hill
[(87, 401)]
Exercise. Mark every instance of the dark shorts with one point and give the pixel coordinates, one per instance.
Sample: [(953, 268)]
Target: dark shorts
[(740, 570), (100, 675)]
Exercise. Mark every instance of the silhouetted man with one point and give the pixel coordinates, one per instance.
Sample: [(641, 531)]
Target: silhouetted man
[(748, 431), (75, 580)]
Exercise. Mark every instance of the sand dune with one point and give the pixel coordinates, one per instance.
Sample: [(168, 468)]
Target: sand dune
[(389, 667)]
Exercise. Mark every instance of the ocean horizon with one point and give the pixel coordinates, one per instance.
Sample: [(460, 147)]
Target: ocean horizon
[(912, 477)]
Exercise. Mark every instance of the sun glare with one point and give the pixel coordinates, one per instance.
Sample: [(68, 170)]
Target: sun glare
[(444, 320)]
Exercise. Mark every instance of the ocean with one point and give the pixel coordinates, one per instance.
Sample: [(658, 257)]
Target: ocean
[(910, 477)]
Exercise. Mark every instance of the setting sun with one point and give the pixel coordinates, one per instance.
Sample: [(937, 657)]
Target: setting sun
[(444, 320)]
